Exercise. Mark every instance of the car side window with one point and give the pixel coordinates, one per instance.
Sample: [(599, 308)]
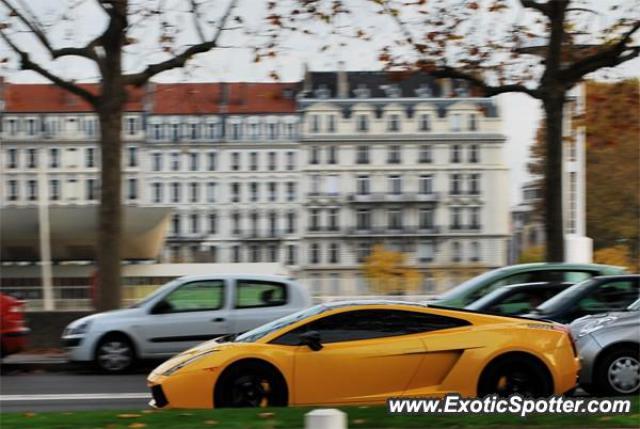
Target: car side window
[(258, 293), (610, 296), (202, 295), (519, 302), (368, 324)]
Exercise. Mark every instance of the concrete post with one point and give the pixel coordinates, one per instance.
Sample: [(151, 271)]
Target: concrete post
[(328, 418)]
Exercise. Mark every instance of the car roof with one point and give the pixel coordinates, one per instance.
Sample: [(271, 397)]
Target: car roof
[(534, 285), (231, 276), (618, 277), (331, 305), (557, 265)]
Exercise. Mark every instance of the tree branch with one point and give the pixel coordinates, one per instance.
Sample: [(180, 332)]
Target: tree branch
[(39, 33), (489, 90), (608, 56), (139, 79), (27, 64), (533, 4), (195, 13)]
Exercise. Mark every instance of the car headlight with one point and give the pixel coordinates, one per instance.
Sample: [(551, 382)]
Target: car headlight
[(82, 328), (595, 325), (189, 361)]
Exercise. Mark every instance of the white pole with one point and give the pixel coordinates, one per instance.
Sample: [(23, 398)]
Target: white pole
[(45, 234)]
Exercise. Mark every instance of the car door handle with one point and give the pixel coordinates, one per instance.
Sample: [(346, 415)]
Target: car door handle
[(218, 319)]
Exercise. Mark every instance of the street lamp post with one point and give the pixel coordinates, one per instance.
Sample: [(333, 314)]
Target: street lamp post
[(44, 228)]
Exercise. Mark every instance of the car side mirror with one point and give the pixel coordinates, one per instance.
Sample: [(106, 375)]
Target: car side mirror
[(311, 339), (161, 307)]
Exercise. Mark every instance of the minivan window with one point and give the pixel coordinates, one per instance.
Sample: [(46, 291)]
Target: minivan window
[(258, 293), (202, 295)]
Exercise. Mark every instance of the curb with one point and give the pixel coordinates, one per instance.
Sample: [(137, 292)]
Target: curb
[(46, 365)]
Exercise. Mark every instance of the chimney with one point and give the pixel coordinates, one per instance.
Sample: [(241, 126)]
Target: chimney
[(343, 82), (2, 90), (307, 84)]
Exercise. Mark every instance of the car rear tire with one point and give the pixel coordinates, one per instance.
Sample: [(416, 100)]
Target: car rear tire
[(618, 372), (250, 384), (115, 354), (510, 375)]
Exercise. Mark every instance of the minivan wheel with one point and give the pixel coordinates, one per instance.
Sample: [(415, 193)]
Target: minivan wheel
[(250, 384), (618, 372), (114, 354), (515, 375)]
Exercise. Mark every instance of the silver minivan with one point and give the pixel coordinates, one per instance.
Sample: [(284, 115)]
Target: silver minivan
[(179, 315)]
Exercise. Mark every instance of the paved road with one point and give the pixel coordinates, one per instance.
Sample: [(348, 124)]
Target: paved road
[(72, 391)]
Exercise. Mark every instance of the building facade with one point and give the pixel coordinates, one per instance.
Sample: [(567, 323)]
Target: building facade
[(411, 163), (310, 174)]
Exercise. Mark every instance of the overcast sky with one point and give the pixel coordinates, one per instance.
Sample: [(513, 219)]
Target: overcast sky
[(521, 114)]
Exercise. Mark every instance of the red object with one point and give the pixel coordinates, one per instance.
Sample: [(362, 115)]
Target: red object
[(13, 332)]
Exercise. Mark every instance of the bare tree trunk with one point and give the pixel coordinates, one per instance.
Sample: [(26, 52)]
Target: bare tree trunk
[(110, 213), (553, 216)]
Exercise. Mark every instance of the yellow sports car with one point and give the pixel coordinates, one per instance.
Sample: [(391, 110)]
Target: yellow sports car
[(366, 352)]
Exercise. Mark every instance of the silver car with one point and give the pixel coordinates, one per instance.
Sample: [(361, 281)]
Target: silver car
[(609, 349), (181, 314)]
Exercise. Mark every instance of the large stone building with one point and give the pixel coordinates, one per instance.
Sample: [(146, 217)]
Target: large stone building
[(308, 174), (413, 163)]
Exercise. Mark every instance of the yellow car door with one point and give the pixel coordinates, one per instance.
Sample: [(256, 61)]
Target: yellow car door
[(368, 370)]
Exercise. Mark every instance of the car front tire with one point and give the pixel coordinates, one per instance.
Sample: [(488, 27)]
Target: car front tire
[(115, 354), (250, 384), (618, 372)]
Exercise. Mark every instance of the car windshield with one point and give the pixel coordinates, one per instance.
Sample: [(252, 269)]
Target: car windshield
[(561, 299), (467, 287), (635, 306), (264, 330), (497, 295)]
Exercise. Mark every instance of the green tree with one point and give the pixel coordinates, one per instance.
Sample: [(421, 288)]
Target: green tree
[(612, 122), (388, 272)]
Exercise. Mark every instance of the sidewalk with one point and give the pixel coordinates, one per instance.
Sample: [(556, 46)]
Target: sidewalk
[(32, 360)]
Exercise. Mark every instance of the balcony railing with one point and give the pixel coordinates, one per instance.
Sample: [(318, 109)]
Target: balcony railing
[(391, 232), (267, 235), (391, 197), (324, 230), (460, 193), (321, 195), (464, 228)]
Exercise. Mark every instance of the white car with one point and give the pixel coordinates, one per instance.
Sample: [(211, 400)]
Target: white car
[(179, 315)]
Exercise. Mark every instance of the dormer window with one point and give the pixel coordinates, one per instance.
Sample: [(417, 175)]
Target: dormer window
[(462, 91), (424, 91), (323, 91), (362, 91), (392, 91)]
